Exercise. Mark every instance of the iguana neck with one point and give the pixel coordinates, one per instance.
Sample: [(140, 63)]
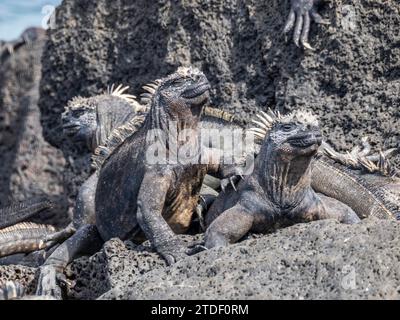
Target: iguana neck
[(106, 122), (285, 180), (168, 127)]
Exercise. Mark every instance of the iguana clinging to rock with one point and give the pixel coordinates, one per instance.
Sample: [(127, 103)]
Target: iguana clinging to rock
[(278, 192), (301, 13), (134, 194)]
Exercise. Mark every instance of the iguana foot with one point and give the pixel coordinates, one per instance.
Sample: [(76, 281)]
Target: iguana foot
[(47, 283), (300, 16), (173, 251), (232, 181)]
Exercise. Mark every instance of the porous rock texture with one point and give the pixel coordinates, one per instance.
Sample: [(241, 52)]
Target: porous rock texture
[(30, 166), (319, 260), (26, 276), (351, 80)]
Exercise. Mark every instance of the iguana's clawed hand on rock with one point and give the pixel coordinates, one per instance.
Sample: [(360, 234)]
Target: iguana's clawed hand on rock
[(300, 16)]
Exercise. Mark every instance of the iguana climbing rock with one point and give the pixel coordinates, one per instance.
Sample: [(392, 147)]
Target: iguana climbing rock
[(24, 237), (301, 13), (278, 192), (133, 194), (366, 183)]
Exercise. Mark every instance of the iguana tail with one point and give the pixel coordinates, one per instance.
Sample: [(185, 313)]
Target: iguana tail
[(19, 212), (24, 238)]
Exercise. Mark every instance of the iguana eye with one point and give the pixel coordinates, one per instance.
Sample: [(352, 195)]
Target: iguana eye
[(287, 127), (78, 113)]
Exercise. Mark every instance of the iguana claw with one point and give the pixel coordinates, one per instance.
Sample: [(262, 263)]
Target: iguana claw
[(232, 181), (173, 252), (300, 16)]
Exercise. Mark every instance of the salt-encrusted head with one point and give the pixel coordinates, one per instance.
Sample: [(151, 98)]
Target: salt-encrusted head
[(84, 117), (296, 133)]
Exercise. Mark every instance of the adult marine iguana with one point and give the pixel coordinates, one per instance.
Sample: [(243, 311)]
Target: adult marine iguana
[(136, 195), (85, 120), (301, 13), (366, 182), (278, 192)]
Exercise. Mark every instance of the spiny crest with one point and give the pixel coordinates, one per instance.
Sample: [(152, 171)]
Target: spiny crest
[(120, 91), (266, 120), (150, 90), (27, 225), (91, 103), (220, 114), (116, 138), (381, 165)]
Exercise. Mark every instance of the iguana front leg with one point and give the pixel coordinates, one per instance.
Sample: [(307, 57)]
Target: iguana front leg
[(319, 207), (150, 205), (300, 16), (229, 227)]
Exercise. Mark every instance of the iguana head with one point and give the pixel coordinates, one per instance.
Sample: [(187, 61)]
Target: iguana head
[(292, 135), (79, 119), (288, 144), (178, 97), (91, 120)]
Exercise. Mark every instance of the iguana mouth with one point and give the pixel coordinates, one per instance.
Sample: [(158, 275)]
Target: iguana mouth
[(70, 129), (305, 140), (197, 90)]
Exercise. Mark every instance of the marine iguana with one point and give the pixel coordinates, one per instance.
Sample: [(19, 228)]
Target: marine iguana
[(17, 236), (300, 15), (364, 182), (91, 120), (136, 195), (278, 193)]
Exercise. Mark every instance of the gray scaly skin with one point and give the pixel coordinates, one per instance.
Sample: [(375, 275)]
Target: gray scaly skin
[(369, 189), (85, 120), (278, 193), (89, 121), (158, 199), (301, 13), (21, 237), (363, 181)]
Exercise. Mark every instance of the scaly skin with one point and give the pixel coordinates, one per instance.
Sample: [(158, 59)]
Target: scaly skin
[(301, 13), (157, 199), (278, 192), (22, 211), (339, 175)]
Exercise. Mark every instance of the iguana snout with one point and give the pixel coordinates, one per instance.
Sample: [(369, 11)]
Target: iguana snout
[(305, 142), (79, 124)]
